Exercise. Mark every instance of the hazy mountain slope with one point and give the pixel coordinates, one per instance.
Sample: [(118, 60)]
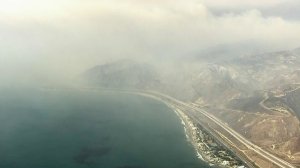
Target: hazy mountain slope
[(238, 80), (293, 101), (123, 74)]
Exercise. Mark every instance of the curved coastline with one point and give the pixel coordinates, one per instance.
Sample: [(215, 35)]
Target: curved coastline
[(193, 132), (194, 136)]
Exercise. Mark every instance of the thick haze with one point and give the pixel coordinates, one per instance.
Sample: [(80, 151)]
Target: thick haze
[(52, 40)]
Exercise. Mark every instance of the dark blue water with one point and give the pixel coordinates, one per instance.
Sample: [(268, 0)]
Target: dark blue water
[(80, 129)]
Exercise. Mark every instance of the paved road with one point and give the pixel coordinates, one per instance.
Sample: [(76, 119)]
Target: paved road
[(194, 110)]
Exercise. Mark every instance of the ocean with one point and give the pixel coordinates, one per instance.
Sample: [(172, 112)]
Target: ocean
[(42, 128)]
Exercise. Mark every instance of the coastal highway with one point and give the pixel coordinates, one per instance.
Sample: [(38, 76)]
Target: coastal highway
[(196, 112)]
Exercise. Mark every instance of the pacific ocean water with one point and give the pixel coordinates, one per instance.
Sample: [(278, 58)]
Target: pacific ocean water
[(90, 129)]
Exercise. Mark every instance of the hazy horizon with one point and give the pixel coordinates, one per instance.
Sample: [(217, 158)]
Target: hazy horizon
[(58, 39)]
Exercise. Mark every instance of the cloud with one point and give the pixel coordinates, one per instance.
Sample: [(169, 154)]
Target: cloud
[(66, 37), (287, 9), (244, 3)]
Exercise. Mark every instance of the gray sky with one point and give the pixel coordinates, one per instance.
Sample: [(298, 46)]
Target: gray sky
[(42, 38), (286, 9)]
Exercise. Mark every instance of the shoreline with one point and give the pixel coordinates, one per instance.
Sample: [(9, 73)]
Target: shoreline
[(194, 134), (187, 131)]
